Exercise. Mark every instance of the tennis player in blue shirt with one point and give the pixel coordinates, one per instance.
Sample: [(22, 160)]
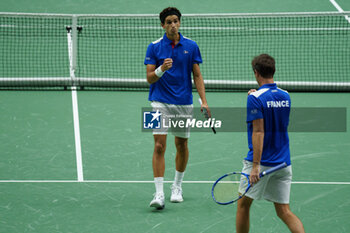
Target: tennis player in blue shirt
[(170, 62), (268, 111)]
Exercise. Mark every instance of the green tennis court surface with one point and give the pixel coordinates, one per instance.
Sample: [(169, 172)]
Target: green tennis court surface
[(44, 196), (39, 188)]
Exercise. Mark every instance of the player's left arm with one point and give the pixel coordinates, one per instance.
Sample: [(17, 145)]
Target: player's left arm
[(258, 143), (199, 83)]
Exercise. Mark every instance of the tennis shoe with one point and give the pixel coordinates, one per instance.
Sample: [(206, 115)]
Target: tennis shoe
[(158, 201), (176, 194)]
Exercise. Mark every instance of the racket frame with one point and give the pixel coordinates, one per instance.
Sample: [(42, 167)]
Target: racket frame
[(239, 196), (262, 174)]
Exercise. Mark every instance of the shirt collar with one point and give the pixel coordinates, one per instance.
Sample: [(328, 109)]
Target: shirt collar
[(167, 41), (269, 85)]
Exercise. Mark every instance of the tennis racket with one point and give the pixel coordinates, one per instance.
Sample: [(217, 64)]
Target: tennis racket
[(205, 113), (225, 189)]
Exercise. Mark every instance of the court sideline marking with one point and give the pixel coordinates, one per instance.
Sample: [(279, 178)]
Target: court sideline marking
[(336, 5), (77, 135), (72, 63)]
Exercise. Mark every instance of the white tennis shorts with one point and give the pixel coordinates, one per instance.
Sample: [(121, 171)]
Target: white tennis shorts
[(274, 187), (171, 117)]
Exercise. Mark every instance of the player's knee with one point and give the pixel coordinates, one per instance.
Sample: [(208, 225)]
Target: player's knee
[(181, 145), (181, 148), (159, 148), (244, 203), (284, 213)]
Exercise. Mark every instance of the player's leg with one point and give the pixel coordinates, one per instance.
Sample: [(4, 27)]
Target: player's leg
[(242, 214), (183, 113), (254, 193), (158, 163), (182, 153), (181, 160), (289, 218), (278, 191)]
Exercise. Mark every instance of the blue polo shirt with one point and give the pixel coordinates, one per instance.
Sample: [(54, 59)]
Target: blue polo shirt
[(175, 86), (273, 105)]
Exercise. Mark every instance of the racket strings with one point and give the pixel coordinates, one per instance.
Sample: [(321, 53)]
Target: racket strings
[(227, 189)]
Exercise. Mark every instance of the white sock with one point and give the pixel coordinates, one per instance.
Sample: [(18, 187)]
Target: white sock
[(178, 178), (158, 182)]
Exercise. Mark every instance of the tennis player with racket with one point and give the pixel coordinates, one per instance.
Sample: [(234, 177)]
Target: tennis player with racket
[(170, 61), (268, 111)]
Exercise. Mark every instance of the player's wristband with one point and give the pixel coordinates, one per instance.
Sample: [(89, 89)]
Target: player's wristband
[(159, 72)]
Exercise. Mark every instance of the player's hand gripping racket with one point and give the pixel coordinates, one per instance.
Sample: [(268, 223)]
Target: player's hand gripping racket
[(205, 113), (225, 189)]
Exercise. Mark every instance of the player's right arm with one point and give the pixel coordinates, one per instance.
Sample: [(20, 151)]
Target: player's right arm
[(151, 70)]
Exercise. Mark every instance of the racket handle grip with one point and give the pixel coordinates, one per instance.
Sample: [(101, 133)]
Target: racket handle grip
[(278, 167), (204, 110), (206, 115)]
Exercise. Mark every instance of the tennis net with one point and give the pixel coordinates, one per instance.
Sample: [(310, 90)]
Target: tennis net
[(49, 50)]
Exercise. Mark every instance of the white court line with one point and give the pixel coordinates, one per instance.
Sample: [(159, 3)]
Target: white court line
[(75, 110), (151, 182), (77, 136), (336, 5)]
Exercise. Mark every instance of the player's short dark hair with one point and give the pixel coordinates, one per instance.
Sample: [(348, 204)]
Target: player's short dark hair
[(264, 64), (169, 11)]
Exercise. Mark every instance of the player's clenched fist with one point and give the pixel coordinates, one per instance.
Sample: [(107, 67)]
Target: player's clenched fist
[(167, 64)]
